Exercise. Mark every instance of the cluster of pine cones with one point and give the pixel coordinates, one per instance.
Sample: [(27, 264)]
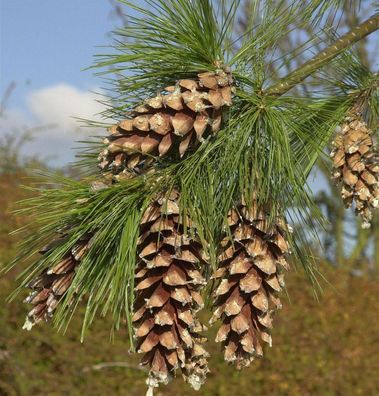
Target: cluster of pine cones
[(169, 273)]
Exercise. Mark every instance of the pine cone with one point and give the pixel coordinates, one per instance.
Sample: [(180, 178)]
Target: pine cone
[(356, 166), (50, 286), (167, 297), (170, 122), (251, 276)]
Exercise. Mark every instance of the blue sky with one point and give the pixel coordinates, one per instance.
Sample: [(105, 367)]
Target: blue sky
[(48, 41)]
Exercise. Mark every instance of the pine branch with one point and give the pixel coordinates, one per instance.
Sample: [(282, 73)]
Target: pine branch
[(347, 40), (266, 148)]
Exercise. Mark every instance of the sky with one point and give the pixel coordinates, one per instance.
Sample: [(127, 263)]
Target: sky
[(44, 47), (46, 41)]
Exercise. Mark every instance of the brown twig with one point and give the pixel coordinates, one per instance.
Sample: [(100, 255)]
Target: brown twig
[(118, 12), (101, 366), (7, 94), (325, 56)]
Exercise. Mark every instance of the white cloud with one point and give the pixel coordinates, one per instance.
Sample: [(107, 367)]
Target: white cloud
[(50, 114), (60, 103)]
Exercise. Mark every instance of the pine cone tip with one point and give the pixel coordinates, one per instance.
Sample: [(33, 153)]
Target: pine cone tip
[(28, 325)]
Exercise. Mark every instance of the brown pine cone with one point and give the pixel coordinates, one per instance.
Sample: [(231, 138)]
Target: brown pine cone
[(169, 123), (167, 297), (51, 285), (250, 271), (356, 166)]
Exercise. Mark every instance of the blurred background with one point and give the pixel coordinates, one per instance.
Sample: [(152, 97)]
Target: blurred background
[(325, 346)]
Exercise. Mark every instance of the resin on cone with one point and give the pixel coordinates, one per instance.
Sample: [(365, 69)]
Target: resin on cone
[(168, 124), (167, 296), (356, 166), (49, 287), (251, 277)]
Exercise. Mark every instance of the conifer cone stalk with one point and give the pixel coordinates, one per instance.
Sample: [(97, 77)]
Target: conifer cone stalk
[(167, 296), (356, 166), (251, 273), (49, 287), (168, 124)]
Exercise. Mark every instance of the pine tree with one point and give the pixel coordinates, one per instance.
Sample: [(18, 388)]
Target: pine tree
[(205, 165)]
